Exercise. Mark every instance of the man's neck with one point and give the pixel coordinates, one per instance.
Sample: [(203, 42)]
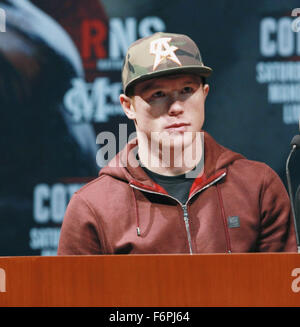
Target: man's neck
[(171, 161)]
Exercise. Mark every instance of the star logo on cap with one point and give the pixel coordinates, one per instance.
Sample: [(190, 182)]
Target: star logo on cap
[(163, 50)]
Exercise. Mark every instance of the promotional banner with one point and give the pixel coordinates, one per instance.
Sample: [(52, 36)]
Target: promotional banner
[(60, 83)]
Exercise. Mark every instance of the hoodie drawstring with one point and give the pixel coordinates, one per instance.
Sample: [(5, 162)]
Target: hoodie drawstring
[(228, 244), (138, 231)]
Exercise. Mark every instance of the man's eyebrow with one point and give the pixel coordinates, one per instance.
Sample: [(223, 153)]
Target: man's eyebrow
[(150, 85)]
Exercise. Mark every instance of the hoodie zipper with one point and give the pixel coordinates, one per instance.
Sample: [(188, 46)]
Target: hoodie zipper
[(187, 226), (183, 206)]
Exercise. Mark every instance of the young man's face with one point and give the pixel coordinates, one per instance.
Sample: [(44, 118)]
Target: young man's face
[(167, 107)]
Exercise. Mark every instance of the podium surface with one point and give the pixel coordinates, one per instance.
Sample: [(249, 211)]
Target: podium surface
[(264, 279)]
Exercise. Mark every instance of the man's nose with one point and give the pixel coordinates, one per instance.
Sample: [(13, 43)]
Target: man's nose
[(175, 105)]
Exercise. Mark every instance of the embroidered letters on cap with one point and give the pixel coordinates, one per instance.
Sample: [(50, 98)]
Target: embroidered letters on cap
[(162, 50)]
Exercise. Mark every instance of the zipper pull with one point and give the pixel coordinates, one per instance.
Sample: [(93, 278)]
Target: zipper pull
[(187, 226), (185, 213)]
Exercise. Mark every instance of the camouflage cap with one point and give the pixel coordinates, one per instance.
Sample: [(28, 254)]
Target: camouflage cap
[(161, 54)]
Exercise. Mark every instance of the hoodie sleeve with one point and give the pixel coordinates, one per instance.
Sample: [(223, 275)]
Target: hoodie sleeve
[(79, 233), (277, 232)]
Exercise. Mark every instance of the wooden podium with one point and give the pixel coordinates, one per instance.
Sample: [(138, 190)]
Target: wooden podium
[(265, 279)]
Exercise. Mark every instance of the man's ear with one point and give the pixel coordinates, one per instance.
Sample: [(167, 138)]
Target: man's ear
[(205, 90), (127, 105)]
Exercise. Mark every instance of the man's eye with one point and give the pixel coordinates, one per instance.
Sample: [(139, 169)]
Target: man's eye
[(158, 94), (187, 89)]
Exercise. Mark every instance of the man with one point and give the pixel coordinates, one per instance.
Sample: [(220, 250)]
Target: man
[(200, 197)]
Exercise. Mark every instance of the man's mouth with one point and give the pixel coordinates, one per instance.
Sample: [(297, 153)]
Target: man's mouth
[(177, 127)]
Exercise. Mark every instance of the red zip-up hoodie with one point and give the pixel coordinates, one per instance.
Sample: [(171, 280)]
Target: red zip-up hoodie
[(237, 205)]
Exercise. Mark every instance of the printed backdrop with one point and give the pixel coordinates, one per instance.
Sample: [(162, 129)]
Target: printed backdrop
[(60, 82)]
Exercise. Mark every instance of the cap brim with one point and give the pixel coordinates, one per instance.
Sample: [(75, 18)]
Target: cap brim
[(198, 70)]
